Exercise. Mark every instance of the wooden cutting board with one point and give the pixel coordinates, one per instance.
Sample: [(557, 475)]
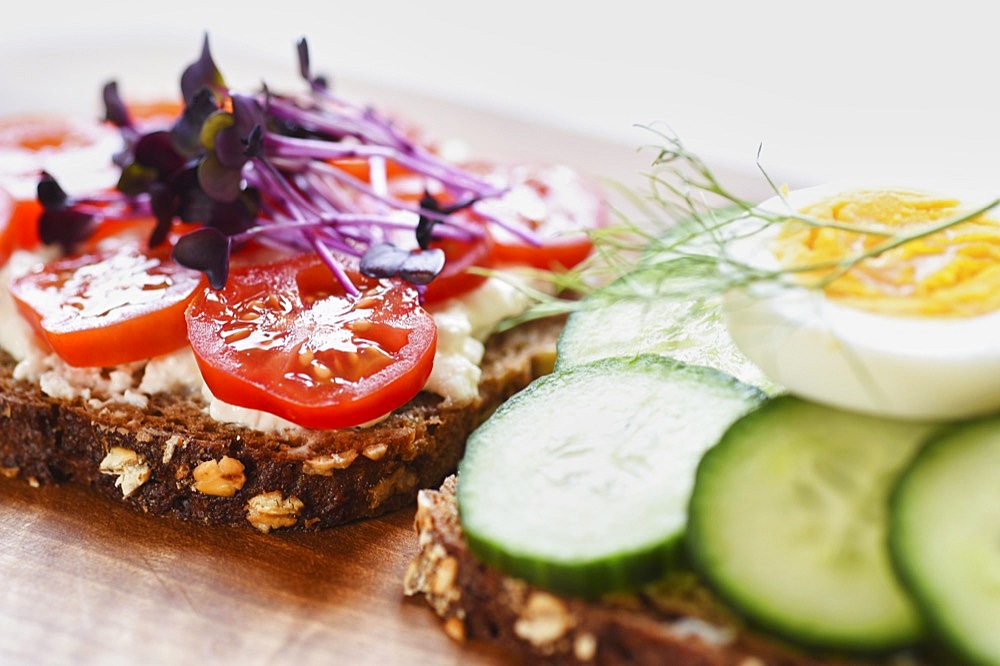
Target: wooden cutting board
[(86, 581)]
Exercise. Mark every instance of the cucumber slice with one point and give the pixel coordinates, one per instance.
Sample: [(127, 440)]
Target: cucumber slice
[(580, 482), (945, 537), (788, 522), (672, 308)]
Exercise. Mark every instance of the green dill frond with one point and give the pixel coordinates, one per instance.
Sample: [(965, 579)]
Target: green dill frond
[(683, 224)]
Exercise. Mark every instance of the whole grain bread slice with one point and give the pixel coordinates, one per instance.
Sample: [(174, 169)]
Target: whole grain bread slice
[(173, 459), (676, 621)]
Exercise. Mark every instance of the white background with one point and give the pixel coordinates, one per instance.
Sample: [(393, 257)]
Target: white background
[(826, 90)]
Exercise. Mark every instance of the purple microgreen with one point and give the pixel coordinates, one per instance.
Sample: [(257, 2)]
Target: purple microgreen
[(229, 217), (385, 260), (229, 148), (422, 267), (164, 202), (429, 207), (255, 142), (219, 181), (302, 49), (260, 166), (156, 150), (361, 227), (233, 217), (382, 260), (186, 132), (115, 111), (136, 179), (201, 74), (60, 223), (305, 70), (50, 192), (211, 127), (235, 137), (425, 231), (248, 113), (323, 250), (65, 227), (362, 187), (206, 250)]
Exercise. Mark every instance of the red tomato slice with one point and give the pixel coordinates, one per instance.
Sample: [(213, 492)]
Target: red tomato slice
[(77, 151), (109, 307), (554, 202), (456, 278), (36, 133), (285, 338), (155, 112), (18, 225)]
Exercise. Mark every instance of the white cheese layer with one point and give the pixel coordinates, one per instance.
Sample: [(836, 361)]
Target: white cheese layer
[(463, 323)]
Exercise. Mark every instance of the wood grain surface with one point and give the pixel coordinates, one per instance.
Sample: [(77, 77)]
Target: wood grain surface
[(86, 581)]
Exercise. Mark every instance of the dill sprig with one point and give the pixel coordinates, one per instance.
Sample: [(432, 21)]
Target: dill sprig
[(687, 216)]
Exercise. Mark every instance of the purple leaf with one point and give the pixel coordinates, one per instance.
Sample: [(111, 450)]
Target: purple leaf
[(385, 260), (205, 250), (115, 111), (202, 74)]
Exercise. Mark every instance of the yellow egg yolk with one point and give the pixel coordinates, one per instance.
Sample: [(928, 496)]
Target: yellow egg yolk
[(952, 272)]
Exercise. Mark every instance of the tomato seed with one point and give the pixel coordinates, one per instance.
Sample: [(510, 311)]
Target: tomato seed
[(305, 355), (236, 334), (360, 326), (321, 371)]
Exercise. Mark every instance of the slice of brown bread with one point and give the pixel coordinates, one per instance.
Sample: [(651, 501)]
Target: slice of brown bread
[(173, 459), (676, 621)]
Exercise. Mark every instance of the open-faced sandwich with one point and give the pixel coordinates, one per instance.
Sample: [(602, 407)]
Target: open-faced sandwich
[(267, 309), (773, 442)]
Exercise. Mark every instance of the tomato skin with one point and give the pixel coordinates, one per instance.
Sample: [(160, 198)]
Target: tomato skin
[(554, 202), (155, 112), (18, 225), (285, 338), (456, 278), (108, 307), (553, 254)]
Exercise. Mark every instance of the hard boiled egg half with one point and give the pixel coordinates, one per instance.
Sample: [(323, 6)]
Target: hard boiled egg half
[(880, 299)]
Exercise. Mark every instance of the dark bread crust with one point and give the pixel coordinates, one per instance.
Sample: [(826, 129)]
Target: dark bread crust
[(324, 477), (659, 625)]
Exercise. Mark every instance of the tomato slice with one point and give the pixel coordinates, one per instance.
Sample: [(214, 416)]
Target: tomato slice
[(18, 225), (109, 307), (155, 112), (78, 151), (285, 338), (459, 257), (555, 202), (37, 133)]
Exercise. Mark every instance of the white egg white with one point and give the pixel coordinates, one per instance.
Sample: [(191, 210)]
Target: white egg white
[(928, 368)]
